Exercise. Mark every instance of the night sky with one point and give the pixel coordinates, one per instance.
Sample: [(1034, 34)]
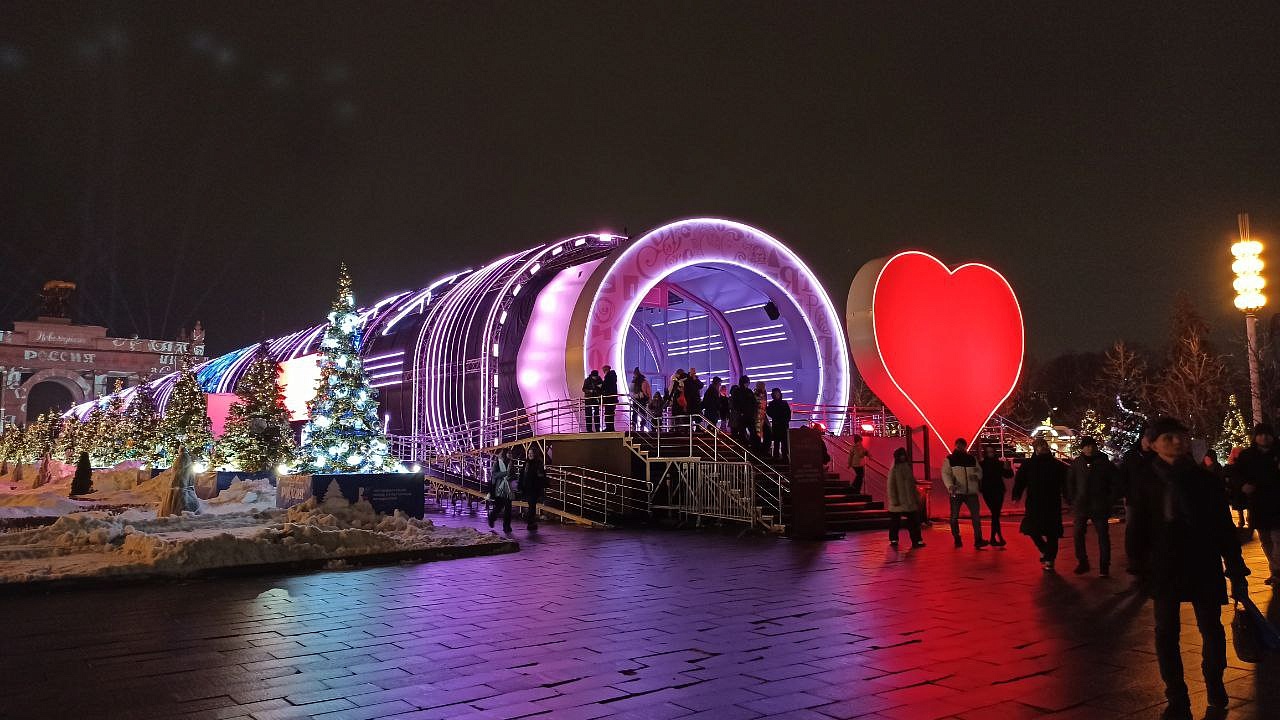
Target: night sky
[(223, 157)]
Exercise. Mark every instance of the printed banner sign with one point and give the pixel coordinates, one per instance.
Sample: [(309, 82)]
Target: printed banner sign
[(386, 492)]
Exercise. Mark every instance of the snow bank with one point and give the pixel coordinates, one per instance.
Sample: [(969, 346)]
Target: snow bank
[(135, 543)]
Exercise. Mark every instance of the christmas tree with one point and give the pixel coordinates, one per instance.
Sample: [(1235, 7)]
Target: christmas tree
[(1235, 433), (38, 437), (143, 420), (186, 419), (112, 433), (258, 436), (344, 434)]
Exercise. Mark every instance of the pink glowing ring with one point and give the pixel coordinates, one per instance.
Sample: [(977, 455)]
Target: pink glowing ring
[(705, 241)]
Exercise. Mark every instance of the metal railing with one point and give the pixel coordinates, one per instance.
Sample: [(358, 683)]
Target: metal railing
[(702, 490)]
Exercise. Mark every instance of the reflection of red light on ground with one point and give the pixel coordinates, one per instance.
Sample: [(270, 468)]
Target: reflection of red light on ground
[(298, 378)]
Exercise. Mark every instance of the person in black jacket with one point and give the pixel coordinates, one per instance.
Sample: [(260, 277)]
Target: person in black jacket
[(533, 483), (711, 401), (609, 397), (1131, 466), (592, 388), (1092, 489), (693, 390), (1043, 478), (994, 472), (1183, 538), (779, 412), (1259, 473)]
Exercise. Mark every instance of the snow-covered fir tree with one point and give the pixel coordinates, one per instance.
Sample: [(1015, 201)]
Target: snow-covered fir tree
[(344, 434), (143, 421), (186, 419), (38, 438), (258, 436), (67, 446), (112, 433), (1235, 433)]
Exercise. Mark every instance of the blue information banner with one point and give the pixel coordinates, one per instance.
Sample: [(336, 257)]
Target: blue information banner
[(386, 492)]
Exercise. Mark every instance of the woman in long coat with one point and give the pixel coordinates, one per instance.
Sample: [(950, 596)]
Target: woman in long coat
[(903, 500), (1043, 478)]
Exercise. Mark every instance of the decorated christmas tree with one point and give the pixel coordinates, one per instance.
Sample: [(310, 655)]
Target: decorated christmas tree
[(38, 437), (258, 436), (344, 434), (67, 447), (112, 432), (186, 420), (143, 421), (1235, 433)]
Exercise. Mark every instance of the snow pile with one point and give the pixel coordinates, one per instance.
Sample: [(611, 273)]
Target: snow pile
[(124, 485), (135, 543)]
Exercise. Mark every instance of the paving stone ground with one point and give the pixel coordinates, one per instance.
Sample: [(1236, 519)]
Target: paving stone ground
[(645, 624)]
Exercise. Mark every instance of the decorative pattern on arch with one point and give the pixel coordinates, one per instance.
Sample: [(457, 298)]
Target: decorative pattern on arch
[(661, 252)]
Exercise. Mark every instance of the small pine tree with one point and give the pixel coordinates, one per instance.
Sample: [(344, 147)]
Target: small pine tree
[(113, 432), (186, 419), (82, 483), (1235, 433), (258, 436), (344, 433), (143, 420)]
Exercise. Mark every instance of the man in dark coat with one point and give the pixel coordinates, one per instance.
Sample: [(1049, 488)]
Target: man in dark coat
[(1258, 471), (743, 416), (1131, 466), (609, 397), (1092, 488), (1183, 538), (1042, 477), (533, 483), (693, 390), (779, 412)]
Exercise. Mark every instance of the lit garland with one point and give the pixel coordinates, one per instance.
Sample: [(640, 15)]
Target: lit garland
[(344, 434)]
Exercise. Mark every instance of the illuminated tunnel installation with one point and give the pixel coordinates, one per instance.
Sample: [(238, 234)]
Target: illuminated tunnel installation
[(525, 329)]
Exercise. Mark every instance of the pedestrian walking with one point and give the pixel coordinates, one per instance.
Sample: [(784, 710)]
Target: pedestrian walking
[(1042, 478), (1235, 489), (1131, 466), (500, 492), (592, 389), (641, 393), (995, 471), (1092, 489), (1260, 482), (609, 398), (1185, 544), (779, 412), (963, 479), (903, 500), (857, 462), (533, 484)]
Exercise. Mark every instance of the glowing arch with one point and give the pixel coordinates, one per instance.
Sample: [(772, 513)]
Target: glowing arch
[(644, 263)]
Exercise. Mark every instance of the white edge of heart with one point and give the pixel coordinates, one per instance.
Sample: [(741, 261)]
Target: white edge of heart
[(1022, 337)]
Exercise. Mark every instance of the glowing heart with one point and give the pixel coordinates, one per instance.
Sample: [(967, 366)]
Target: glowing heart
[(940, 347)]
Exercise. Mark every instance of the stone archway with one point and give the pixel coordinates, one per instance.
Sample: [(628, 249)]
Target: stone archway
[(70, 382)]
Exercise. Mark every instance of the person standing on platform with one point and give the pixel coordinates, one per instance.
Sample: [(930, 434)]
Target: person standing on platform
[(1185, 545), (779, 412), (693, 390), (903, 500), (1259, 469), (963, 479), (657, 406), (500, 481), (743, 402), (1092, 489), (675, 395), (994, 472), (1042, 477), (609, 397), (641, 392), (858, 463), (711, 402), (726, 409), (592, 388), (533, 483)]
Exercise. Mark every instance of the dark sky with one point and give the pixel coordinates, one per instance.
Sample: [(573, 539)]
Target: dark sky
[(224, 156)]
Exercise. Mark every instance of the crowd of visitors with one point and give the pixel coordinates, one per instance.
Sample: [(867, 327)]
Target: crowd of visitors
[(755, 416)]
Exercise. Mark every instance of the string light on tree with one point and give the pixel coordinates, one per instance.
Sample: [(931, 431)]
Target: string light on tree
[(343, 434)]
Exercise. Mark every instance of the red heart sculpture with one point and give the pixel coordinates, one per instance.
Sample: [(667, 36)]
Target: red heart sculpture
[(940, 347)]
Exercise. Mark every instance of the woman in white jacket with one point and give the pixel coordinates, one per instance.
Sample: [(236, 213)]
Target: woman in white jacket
[(903, 499)]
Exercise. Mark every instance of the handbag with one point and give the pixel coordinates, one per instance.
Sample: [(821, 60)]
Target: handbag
[(1244, 636)]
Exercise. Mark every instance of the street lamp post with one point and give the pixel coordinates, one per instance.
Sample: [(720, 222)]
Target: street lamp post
[(1249, 298)]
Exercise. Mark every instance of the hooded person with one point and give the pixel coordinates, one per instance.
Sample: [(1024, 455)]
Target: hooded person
[(1185, 549)]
